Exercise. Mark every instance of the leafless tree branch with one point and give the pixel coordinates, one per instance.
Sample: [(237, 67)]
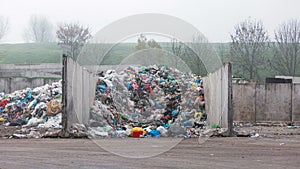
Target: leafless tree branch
[(73, 37), (39, 30), (286, 49), (248, 45), (4, 26)]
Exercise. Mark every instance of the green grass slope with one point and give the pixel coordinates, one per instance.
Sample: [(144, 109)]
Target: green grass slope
[(30, 53)]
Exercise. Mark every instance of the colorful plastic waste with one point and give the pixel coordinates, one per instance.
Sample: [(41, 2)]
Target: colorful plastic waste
[(154, 133), (158, 99), (35, 110), (138, 101)]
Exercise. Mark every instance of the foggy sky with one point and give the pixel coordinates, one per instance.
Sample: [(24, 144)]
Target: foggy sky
[(214, 18)]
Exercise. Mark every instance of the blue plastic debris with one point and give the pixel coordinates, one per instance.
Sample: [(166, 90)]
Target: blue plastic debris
[(154, 133)]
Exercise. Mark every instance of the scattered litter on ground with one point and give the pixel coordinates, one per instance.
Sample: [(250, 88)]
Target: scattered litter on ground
[(265, 129)]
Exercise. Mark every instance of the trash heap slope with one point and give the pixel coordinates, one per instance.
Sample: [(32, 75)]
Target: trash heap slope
[(36, 112), (153, 100)]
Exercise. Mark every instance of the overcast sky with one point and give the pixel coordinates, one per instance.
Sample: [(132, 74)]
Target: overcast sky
[(214, 18)]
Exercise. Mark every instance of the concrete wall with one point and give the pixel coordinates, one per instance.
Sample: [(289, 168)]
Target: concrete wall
[(19, 76), (218, 97), (270, 102), (31, 70), (79, 87), (11, 84), (259, 105), (278, 102), (243, 102), (296, 103)]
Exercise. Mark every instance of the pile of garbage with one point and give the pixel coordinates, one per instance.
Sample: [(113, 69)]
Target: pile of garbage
[(37, 111), (142, 101), (148, 101)]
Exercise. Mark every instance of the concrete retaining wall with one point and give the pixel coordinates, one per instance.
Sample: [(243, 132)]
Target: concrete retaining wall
[(19, 76), (278, 102), (11, 84), (218, 97), (79, 87), (271, 102), (243, 101), (31, 70), (296, 102)]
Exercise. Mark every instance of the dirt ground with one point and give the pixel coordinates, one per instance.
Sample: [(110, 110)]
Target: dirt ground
[(279, 151)]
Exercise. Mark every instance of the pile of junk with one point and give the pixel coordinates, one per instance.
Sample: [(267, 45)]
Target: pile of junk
[(139, 102)]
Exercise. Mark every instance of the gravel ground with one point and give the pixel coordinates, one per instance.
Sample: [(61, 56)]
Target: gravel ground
[(280, 151)]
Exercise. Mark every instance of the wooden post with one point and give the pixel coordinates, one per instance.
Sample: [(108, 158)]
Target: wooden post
[(64, 96)]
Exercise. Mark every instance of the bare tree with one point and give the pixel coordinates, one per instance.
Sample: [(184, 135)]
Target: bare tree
[(39, 30), (177, 49), (248, 45), (73, 37), (3, 26), (287, 48), (202, 56)]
